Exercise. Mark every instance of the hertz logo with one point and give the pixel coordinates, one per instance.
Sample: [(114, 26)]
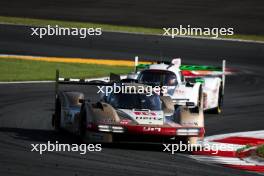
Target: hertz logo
[(152, 129)]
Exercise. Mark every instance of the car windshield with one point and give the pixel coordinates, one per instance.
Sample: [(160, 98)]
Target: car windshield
[(156, 77), (135, 101)]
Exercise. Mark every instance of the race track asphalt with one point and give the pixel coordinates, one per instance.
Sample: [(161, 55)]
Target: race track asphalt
[(25, 109)]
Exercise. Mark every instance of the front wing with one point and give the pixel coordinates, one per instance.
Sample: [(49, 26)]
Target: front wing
[(140, 133)]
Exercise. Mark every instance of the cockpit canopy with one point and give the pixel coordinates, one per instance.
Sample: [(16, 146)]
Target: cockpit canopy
[(135, 101), (158, 77)]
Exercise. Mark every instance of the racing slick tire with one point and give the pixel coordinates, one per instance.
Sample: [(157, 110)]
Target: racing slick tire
[(82, 124), (56, 119)]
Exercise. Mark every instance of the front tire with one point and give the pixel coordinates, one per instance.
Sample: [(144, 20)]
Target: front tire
[(82, 124), (57, 116)]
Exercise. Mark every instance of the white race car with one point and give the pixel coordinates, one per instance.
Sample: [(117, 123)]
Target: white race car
[(190, 85)]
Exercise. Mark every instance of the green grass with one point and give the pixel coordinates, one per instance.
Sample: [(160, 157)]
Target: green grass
[(22, 70), (260, 151), (106, 27)]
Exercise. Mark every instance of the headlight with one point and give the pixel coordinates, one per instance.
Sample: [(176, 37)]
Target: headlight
[(108, 128), (105, 128), (117, 129), (188, 131)]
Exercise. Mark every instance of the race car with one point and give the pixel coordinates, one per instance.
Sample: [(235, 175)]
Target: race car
[(129, 117), (213, 79), (169, 77), (191, 82)]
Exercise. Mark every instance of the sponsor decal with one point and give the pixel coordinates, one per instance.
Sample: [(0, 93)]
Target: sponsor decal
[(145, 113), (152, 129), (148, 118), (142, 115), (177, 91), (125, 121)]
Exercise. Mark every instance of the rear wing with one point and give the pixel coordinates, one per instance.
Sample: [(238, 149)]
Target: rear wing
[(75, 81), (105, 81), (200, 71), (190, 70), (203, 70)]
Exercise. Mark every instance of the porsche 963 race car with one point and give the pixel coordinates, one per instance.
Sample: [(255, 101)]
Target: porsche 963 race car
[(130, 117)]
